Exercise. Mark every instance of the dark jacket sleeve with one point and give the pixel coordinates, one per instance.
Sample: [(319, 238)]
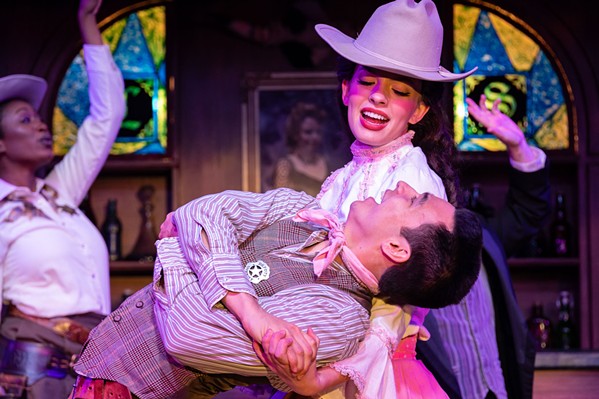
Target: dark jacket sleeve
[(525, 211)]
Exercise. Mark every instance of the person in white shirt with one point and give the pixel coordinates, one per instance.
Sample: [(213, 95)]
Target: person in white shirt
[(54, 273)]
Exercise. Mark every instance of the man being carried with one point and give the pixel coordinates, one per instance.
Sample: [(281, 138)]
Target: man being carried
[(239, 265)]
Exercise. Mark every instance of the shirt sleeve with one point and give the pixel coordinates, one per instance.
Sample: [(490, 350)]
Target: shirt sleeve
[(536, 164), (73, 176), (228, 219)]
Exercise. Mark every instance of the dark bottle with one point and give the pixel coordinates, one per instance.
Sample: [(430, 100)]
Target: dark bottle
[(144, 249), (111, 231), (565, 331), (539, 326), (560, 229)]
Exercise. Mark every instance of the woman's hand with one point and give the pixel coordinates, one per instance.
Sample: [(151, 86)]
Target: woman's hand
[(502, 127), (87, 21), (89, 7)]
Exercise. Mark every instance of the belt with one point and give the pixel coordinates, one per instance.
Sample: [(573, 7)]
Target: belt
[(63, 326), (33, 360)]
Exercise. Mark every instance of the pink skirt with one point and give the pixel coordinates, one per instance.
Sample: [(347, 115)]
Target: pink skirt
[(412, 379)]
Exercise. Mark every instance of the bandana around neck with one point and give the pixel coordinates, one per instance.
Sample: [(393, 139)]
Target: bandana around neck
[(336, 246)]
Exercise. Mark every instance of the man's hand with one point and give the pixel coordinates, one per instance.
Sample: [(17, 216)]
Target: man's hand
[(256, 322), (168, 228), (502, 127), (275, 352)]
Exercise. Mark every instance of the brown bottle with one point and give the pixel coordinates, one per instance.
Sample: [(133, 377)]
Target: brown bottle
[(540, 327)]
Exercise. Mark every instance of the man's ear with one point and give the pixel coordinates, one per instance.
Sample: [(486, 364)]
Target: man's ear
[(397, 249)]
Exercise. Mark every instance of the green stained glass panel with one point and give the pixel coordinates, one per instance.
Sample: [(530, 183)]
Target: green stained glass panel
[(138, 45), (511, 67)]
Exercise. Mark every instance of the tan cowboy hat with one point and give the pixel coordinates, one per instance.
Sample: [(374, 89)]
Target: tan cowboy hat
[(402, 37), (27, 87)]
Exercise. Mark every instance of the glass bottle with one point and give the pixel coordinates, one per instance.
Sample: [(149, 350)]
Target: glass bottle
[(144, 249), (111, 230), (565, 331), (539, 326), (560, 229)]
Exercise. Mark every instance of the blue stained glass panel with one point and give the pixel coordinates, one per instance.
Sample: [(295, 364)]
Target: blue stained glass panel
[(513, 67), (138, 45)]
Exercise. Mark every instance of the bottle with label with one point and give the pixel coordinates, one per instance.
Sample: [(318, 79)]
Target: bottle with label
[(539, 326), (111, 231), (565, 332), (561, 240)]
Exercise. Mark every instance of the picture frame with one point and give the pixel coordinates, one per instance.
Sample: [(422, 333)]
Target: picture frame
[(273, 102)]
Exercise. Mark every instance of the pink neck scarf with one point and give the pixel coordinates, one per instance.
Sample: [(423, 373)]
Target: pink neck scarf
[(336, 246)]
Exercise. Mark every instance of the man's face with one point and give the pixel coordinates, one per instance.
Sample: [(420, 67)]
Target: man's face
[(401, 207)]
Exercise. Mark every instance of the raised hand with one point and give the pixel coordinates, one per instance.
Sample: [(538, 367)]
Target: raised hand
[(89, 7), (87, 21), (502, 127)]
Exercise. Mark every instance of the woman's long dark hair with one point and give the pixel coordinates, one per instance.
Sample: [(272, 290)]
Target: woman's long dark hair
[(433, 133)]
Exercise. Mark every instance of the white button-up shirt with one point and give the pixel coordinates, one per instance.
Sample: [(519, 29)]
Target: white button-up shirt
[(55, 262)]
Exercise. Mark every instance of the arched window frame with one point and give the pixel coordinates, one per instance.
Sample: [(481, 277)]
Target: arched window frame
[(152, 138), (564, 129)]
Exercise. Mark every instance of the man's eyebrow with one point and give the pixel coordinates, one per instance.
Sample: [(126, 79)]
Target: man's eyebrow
[(424, 198)]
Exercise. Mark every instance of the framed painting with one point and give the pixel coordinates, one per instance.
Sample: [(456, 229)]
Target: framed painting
[(293, 133)]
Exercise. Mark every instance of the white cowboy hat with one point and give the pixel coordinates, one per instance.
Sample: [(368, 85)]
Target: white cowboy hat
[(401, 37), (27, 87)]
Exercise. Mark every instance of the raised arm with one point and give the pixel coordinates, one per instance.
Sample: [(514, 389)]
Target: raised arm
[(75, 173), (527, 204), (87, 21)]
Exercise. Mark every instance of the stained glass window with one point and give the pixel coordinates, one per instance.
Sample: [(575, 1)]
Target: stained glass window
[(137, 42), (512, 66)]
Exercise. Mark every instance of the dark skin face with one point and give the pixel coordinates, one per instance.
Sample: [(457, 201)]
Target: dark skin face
[(25, 145)]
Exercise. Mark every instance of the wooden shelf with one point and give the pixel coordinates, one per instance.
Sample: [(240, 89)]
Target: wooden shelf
[(139, 164), (543, 263), (555, 359), (124, 267)]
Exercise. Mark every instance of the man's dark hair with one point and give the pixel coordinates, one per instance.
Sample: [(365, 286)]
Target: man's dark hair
[(442, 267)]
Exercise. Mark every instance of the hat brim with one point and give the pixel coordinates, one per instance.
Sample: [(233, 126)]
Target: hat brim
[(345, 46), (27, 87)]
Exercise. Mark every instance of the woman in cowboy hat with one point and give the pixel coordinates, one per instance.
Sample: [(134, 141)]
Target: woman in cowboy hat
[(54, 277), (391, 88)]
